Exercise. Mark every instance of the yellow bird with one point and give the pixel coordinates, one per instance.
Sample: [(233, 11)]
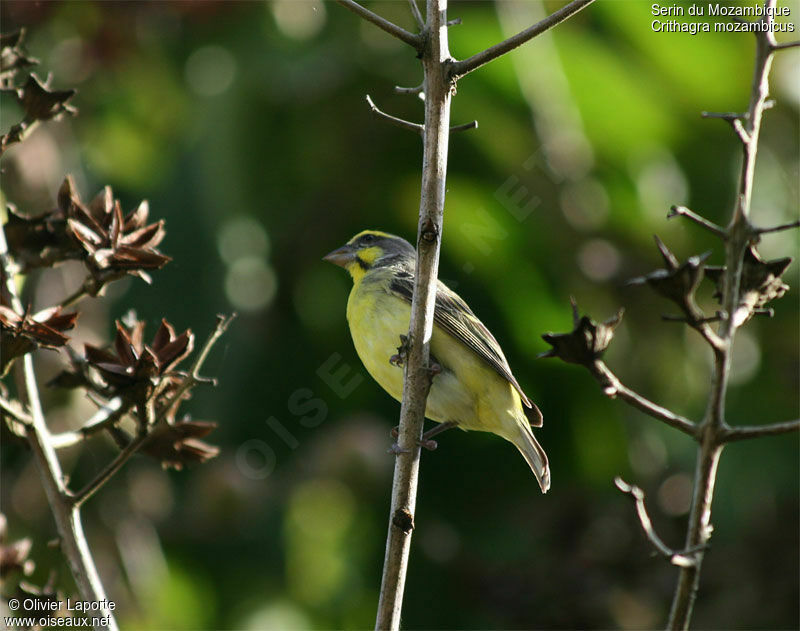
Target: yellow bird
[(475, 389)]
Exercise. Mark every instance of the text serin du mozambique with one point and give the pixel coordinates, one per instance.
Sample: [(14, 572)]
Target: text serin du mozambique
[(717, 9)]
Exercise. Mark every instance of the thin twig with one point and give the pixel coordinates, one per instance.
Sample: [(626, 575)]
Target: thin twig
[(785, 46), (415, 90), (74, 297), (18, 132), (464, 127), (399, 122), (106, 474), (757, 431), (92, 286), (740, 131), (108, 414), (713, 340), (417, 15), (735, 119), (613, 388), (682, 211), (382, 23), (14, 412), (681, 559), (784, 226), (684, 319), (194, 377), (726, 116), (415, 127), (462, 68)]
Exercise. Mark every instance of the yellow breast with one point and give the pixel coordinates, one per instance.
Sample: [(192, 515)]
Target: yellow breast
[(377, 319), (466, 391)]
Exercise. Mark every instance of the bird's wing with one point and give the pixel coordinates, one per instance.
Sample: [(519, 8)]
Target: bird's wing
[(454, 316)]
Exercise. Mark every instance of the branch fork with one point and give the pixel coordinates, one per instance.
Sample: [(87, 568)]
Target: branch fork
[(686, 558)]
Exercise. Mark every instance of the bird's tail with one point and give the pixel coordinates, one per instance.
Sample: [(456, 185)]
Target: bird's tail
[(534, 455)]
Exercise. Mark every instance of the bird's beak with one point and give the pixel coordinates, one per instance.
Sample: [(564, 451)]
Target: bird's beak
[(342, 256)]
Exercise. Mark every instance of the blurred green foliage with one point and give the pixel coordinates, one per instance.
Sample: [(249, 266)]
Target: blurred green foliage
[(245, 126)]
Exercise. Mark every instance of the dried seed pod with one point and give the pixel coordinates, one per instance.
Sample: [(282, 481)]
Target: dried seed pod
[(587, 341), (678, 282), (761, 283), (134, 368), (21, 334)]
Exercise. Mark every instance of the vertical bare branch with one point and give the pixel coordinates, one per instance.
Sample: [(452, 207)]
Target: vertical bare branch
[(67, 517), (714, 431), (417, 377)]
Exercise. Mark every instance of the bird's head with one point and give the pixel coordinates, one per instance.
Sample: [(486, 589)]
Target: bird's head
[(370, 249)]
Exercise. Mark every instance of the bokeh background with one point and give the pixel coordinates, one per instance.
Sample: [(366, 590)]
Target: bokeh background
[(246, 127)]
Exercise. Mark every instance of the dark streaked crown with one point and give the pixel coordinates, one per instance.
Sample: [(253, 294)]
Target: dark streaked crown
[(377, 248)]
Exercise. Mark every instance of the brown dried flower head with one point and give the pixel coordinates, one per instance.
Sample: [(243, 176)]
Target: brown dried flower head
[(761, 283), (135, 367), (40, 241), (20, 334), (178, 444), (587, 341), (678, 282), (37, 100), (42, 103), (113, 243)]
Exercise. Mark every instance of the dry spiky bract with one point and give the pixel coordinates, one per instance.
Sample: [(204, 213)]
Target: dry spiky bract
[(37, 100), (21, 334), (678, 282), (178, 444), (111, 244), (134, 368), (144, 375), (761, 283), (40, 241), (114, 244), (40, 102), (587, 341)]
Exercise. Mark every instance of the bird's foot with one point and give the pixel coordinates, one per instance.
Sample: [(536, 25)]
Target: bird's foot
[(399, 358), (434, 368), (396, 450), (427, 443), (425, 440)]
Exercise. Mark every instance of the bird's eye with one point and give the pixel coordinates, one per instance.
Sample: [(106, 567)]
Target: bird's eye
[(368, 238)]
